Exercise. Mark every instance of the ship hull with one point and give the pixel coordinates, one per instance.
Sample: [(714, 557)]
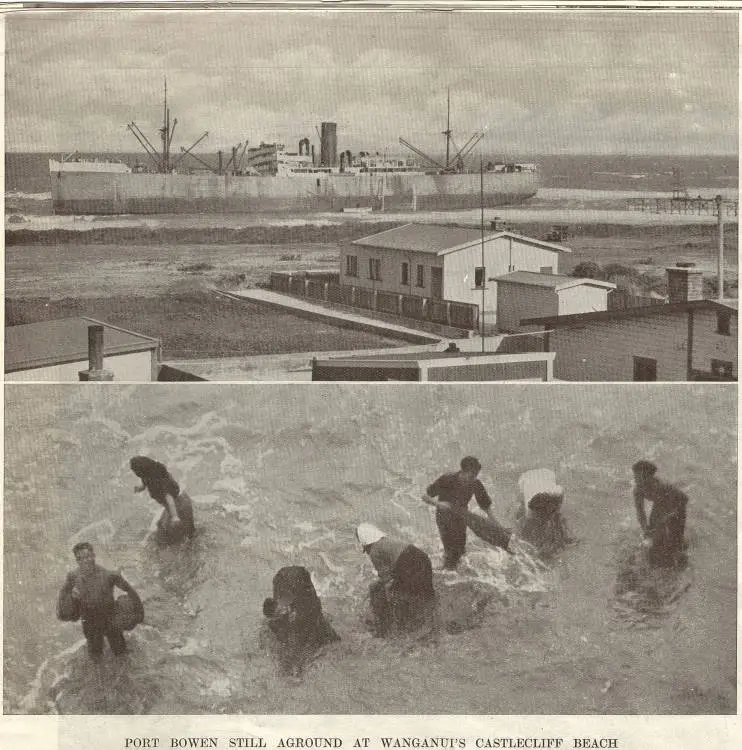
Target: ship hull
[(98, 193)]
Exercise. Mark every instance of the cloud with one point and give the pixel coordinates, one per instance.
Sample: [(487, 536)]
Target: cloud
[(534, 81)]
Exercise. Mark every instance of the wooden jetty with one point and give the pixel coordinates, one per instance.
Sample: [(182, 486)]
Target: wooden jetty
[(684, 204)]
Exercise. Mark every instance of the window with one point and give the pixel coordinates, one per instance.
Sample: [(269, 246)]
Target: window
[(722, 369), (374, 269), (547, 269), (421, 275), (351, 265), (479, 277), (405, 274), (723, 320), (645, 369)]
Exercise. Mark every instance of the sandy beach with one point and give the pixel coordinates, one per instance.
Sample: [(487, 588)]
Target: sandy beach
[(153, 274)]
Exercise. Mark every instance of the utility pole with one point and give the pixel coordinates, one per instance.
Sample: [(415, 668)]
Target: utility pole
[(710, 206), (720, 260), (484, 270)]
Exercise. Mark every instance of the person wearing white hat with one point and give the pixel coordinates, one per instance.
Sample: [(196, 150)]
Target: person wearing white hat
[(402, 597), (539, 515)]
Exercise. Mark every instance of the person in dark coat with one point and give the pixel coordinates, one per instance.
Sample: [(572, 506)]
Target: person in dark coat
[(664, 531), (539, 513), (295, 618), (176, 522), (456, 490), (402, 598), (88, 592)]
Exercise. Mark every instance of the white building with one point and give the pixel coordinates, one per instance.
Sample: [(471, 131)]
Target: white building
[(58, 351), (457, 264), (525, 294), (687, 339)]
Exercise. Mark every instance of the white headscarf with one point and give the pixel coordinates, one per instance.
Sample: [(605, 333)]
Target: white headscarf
[(538, 481), (368, 534)]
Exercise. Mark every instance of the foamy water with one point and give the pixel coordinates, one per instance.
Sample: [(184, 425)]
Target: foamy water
[(550, 205), (282, 474)]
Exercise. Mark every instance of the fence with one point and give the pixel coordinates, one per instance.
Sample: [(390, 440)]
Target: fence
[(325, 287), (683, 205), (620, 299)]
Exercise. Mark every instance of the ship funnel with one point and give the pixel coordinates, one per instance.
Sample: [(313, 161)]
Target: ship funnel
[(329, 145)]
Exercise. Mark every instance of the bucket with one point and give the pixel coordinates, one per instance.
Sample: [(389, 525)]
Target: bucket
[(127, 613), (68, 608)]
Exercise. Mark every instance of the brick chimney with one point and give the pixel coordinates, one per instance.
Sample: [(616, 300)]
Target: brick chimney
[(684, 283)]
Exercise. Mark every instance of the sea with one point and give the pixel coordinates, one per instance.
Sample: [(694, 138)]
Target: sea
[(575, 188), (280, 475)]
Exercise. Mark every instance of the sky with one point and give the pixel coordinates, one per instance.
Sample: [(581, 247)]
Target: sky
[(553, 82)]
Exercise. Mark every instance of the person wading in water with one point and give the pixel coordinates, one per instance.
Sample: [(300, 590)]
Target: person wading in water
[(88, 592), (454, 492), (176, 521)]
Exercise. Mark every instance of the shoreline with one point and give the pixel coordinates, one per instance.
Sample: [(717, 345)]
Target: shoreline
[(529, 223)]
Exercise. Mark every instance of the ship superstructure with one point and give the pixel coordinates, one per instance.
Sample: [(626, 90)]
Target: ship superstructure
[(272, 178)]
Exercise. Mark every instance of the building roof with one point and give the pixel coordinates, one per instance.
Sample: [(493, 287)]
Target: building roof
[(438, 239), (57, 342), (550, 280), (394, 357), (564, 321)]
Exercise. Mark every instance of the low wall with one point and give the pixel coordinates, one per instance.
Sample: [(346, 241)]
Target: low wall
[(490, 367), (465, 368)]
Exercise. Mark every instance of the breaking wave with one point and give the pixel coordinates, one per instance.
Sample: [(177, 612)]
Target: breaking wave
[(281, 475)]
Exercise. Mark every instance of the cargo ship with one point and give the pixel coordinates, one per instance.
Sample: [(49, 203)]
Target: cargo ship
[(271, 179)]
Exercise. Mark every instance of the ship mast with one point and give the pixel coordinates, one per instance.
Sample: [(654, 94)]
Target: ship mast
[(161, 160), (447, 131), (458, 157), (166, 133)]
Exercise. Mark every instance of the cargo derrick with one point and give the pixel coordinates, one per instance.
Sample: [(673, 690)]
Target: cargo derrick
[(455, 165), (276, 181)]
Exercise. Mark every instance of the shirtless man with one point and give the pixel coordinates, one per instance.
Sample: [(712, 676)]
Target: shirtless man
[(93, 586)]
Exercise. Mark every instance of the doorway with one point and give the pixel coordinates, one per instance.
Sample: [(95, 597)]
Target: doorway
[(436, 283), (645, 369)]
